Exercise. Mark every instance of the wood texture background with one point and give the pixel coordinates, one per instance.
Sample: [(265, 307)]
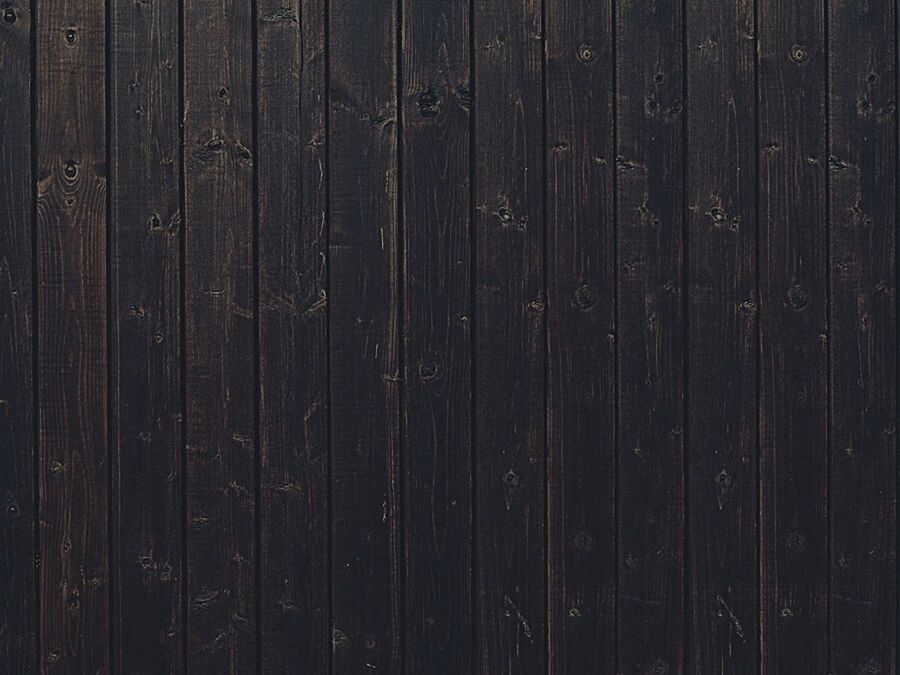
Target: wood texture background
[(448, 336)]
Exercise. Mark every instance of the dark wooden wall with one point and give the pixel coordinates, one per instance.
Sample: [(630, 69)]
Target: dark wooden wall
[(448, 336)]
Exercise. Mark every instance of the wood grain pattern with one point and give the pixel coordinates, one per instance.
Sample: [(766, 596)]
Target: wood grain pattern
[(495, 336), (863, 336), (722, 339), (365, 338), (437, 376), (649, 166), (220, 326), (581, 367), (72, 337), (18, 580), (145, 352), (293, 339), (794, 336), (510, 453)]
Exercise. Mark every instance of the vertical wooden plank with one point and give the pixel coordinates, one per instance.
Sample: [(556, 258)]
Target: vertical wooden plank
[(863, 335), (581, 286), (649, 167), (722, 342), (72, 340), (145, 354), (365, 338), (793, 332), (293, 337), (509, 337), (437, 366), (18, 583), (219, 315)]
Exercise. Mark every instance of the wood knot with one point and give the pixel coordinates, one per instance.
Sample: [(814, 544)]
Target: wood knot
[(798, 298), (837, 165), (583, 541), (70, 170), (428, 370), (215, 144), (624, 165), (799, 53), (871, 667), (586, 53), (585, 298), (796, 541), (428, 102)]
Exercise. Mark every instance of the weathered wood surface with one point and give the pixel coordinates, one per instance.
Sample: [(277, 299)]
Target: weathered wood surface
[(220, 318), (521, 336), (72, 357), (145, 340)]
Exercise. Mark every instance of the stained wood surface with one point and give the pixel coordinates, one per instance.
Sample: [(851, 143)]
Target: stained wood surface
[(220, 320), (581, 324), (523, 336), (436, 225), (72, 341), (145, 355), (651, 336), (365, 338), (18, 571), (293, 337), (862, 219), (794, 164), (722, 347), (509, 348)]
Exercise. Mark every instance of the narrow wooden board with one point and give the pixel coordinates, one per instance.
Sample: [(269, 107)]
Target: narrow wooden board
[(793, 164), (72, 336), (722, 342), (863, 335), (650, 192), (293, 339), (581, 306), (437, 403), (220, 327), (364, 338), (510, 448), (145, 352), (18, 578)]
